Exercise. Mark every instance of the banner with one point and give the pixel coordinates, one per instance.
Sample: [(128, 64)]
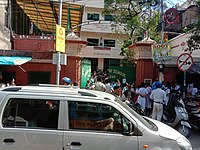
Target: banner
[(60, 39), (161, 52)]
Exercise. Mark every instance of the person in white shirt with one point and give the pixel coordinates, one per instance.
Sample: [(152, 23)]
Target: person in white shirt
[(191, 90), (99, 86), (108, 86), (159, 97), (142, 93)]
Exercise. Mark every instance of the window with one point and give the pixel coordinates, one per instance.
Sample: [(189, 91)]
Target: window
[(93, 42), (31, 113), (148, 81), (109, 18), (109, 43), (39, 77), (92, 16), (95, 116)]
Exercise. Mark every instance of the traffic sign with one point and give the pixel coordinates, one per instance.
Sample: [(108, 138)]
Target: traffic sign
[(185, 61)]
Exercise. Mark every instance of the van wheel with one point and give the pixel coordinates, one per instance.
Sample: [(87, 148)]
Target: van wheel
[(184, 130)]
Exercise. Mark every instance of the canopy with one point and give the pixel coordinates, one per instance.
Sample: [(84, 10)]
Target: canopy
[(194, 69), (45, 14), (13, 60)]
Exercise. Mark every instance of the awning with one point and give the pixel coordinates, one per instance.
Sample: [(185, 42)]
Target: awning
[(13, 60), (195, 69), (45, 14)]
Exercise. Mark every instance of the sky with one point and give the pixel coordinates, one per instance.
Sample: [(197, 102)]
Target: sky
[(172, 3)]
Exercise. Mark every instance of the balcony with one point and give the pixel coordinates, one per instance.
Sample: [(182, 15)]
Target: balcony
[(35, 43), (101, 27)]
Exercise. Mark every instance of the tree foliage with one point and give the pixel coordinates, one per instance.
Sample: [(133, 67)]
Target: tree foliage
[(128, 13)]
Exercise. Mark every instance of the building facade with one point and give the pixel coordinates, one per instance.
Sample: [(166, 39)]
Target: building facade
[(32, 29), (104, 44)]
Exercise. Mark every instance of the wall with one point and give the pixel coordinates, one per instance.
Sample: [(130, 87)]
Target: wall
[(72, 70), (35, 43), (144, 70)]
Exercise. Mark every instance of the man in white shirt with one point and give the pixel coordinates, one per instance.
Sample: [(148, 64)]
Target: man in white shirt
[(99, 86), (109, 88), (159, 98)]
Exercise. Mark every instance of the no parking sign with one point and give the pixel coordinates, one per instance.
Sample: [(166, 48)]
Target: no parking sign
[(185, 61)]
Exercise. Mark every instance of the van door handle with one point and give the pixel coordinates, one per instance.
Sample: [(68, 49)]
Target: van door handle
[(9, 141), (76, 143)]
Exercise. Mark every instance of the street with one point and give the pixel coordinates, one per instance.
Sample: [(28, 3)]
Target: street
[(194, 139)]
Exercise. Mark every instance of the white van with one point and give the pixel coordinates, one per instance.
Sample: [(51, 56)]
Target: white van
[(58, 118)]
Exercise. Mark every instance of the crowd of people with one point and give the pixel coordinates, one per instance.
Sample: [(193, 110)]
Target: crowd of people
[(151, 97)]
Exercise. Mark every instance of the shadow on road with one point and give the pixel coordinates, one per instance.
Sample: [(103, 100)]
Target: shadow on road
[(194, 139)]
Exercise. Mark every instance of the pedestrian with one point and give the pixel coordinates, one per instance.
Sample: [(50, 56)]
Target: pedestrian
[(159, 97), (99, 86), (154, 84), (109, 88), (168, 92), (191, 91), (142, 93), (148, 105), (87, 85), (2, 84), (116, 91), (128, 95), (67, 81), (12, 82), (125, 88)]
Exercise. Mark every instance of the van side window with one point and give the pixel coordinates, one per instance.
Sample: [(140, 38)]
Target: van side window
[(31, 113), (96, 116)]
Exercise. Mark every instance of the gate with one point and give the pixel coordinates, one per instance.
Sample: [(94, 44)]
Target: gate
[(85, 71), (125, 73)]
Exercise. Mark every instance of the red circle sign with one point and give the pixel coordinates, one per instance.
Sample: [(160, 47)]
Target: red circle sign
[(185, 61)]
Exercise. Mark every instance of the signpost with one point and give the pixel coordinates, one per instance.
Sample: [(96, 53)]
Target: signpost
[(58, 51), (184, 63), (161, 52)]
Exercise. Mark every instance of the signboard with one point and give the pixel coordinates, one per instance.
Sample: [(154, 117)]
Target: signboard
[(60, 39), (63, 59), (185, 61), (125, 73), (161, 52)]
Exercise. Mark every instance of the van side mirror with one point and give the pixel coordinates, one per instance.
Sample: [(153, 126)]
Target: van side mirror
[(132, 130), (129, 132)]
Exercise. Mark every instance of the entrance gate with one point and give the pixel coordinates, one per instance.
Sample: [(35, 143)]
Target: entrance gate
[(85, 71)]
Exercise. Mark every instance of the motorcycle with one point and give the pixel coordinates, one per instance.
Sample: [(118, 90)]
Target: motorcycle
[(193, 108), (176, 116)]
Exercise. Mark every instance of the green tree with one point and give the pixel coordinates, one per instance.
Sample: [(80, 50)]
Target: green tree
[(128, 13)]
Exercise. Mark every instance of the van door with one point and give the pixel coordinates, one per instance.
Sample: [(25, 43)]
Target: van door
[(96, 126), (31, 124)]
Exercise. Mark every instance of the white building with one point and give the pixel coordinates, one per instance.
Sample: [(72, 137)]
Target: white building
[(104, 44), (186, 4)]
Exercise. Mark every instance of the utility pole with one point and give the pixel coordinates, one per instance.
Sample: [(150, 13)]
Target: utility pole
[(162, 22), (161, 66), (58, 63)]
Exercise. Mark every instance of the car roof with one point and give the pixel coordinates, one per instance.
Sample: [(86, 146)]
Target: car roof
[(56, 90)]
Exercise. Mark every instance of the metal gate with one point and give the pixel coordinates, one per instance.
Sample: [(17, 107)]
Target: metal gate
[(85, 71), (124, 74)]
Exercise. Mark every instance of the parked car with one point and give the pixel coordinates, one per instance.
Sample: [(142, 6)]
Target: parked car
[(45, 117)]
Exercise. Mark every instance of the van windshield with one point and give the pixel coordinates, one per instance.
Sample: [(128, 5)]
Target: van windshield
[(149, 124)]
